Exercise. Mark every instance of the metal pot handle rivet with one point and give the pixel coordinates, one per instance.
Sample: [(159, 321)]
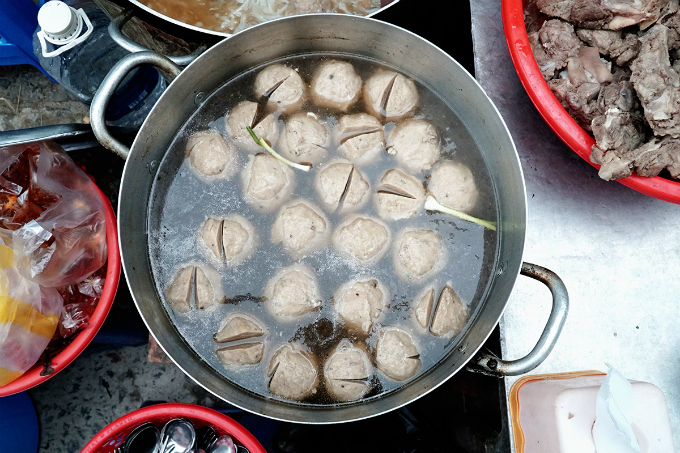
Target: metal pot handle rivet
[(109, 86), (488, 364)]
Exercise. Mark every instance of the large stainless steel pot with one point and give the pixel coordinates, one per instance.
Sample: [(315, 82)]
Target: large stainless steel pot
[(321, 33)]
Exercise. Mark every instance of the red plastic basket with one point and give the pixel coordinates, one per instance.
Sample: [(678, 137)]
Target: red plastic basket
[(60, 361), (113, 435), (552, 111)]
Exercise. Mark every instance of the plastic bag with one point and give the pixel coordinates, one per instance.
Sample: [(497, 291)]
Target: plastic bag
[(55, 213), (29, 316)]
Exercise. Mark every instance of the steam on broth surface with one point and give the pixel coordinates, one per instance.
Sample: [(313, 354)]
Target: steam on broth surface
[(332, 319)]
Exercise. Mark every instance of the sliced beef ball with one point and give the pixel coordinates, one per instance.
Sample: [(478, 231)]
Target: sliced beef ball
[(347, 372), (360, 138), (308, 6), (207, 287), (361, 303), (211, 155), (293, 292), (341, 184), (241, 117), (301, 227), (390, 96), (239, 355), (453, 185), (415, 144), (289, 95), (423, 307), (336, 85), (238, 326), (396, 356), (231, 239), (293, 373), (657, 83), (450, 315), (418, 253), (211, 235), (304, 139), (267, 182), (399, 195), (362, 238), (178, 292)]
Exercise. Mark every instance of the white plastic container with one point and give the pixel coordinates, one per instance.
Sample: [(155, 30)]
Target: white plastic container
[(555, 414)]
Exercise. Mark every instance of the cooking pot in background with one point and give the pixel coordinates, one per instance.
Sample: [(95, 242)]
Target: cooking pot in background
[(318, 33)]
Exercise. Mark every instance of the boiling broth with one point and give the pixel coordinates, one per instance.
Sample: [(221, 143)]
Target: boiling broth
[(180, 203)]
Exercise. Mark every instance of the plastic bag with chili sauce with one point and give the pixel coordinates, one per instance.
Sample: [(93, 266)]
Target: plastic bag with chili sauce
[(54, 213)]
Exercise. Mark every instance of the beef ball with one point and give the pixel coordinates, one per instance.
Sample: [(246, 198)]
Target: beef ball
[(347, 372), (396, 355), (293, 373), (210, 155), (360, 138), (242, 116), (423, 307), (207, 287), (178, 292), (267, 182), (205, 282), (361, 303), (239, 355), (304, 139), (288, 97), (308, 6), (450, 315), (231, 239), (238, 326), (415, 144), (362, 238), (390, 95), (336, 85), (340, 184), (301, 227), (453, 185), (293, 292), (418, 253), (399, 196)]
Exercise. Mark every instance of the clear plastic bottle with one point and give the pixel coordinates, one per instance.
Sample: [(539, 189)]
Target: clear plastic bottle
[(73, 45)]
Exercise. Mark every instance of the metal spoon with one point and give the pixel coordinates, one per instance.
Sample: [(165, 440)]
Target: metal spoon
[(144, 439), (223, 444), (178, 436)]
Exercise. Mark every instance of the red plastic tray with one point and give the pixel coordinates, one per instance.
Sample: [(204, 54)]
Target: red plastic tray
[(554, 114)]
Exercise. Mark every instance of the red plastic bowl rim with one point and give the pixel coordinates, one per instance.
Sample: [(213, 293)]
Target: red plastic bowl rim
[(552, 111), (60, 361), (112, 435)]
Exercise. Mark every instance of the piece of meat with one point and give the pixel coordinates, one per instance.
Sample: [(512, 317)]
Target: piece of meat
[(399, 196), (396, 356), (559, 42), (423, 307), (292, 292), (360, 138), (241, 354), (301, 227), (547, 65), (592, 63), (418, 253), (533, 16), (308, 6), (390, 96), (619, 46), (178, 292), (207, 287), (604, 14), (267, 182), (362, 238), (289, 96), (415, 145), (304, 139), (241, 116), (341, 184), (361, 303), (336, 85), (620, 95), (211, 155), (580, 102), (293, 373), (347, 372), (647, 160), (656, 83), (238, 326), (616, 133), (450, 315), (453, 185)]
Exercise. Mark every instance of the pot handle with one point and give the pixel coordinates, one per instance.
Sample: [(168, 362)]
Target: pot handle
[(109, 86), (115, 30), (486, 363)]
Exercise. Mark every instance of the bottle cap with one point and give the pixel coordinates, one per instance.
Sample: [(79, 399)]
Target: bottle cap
[(59, 22)]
